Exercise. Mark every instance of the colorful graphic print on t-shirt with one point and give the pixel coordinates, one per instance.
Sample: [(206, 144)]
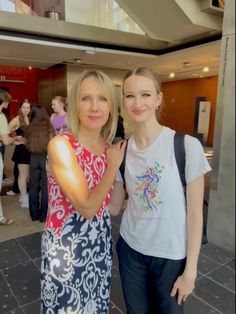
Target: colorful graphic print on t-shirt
[(147, 187)]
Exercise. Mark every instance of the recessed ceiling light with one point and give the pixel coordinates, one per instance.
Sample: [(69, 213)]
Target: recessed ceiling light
[(90, 52), (78, 61), (171, 75), (205, 69)]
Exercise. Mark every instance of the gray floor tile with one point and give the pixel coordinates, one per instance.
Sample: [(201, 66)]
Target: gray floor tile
[(31, 244), (115, 259), (224, 276), (115, 237), (216, 253), (215, 295), (11, 254), (24, 280), (32, 308), (116, 220), (206, 264), (17, 311), (116, 292), (114, 310), (7, 301), (37, 262), (115, 228), (198, 306), (231, 264)]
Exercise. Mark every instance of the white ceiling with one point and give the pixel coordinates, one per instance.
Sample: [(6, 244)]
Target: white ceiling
[(186, 21), (41, 54)]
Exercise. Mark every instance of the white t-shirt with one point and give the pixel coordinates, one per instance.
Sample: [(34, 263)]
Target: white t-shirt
[(154, 221)]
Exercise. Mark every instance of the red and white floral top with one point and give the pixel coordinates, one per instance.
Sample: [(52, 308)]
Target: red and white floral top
[(59, 207)]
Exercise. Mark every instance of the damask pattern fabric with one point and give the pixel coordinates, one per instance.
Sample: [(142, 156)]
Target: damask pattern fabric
[(76, 252)]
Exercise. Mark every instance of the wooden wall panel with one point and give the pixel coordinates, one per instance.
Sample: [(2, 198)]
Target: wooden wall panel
[(179, 107)]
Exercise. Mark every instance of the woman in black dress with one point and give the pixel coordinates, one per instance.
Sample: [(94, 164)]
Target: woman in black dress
[(21, 155)]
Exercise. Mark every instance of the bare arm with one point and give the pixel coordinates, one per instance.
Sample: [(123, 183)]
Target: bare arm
[(185, 283), (7, 140), (117, 198), (70, 177), (14, 124)]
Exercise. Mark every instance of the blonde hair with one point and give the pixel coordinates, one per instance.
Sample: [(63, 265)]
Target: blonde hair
[(146, 72), (63, 100), (109, 129)]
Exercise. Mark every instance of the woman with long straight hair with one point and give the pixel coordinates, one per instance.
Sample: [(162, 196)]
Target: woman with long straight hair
[(38, 134), (21, 155)]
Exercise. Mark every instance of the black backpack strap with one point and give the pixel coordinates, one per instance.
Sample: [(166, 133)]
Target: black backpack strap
[(122, 166), (180, 156)]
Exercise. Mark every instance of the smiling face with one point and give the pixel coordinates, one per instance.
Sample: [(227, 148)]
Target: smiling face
[(25, 109), (94, 104), (141, 99)]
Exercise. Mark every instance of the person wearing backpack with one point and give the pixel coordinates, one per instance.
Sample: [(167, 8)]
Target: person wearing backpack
[(161, 229)]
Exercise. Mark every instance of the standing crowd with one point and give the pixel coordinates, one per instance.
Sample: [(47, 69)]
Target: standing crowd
[(32, 129), (76, 184)]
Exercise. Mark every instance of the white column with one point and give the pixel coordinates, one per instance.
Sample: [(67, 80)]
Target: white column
[(221, 212)]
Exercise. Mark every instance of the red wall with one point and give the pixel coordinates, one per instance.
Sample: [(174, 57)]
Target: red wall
[(19, 90)]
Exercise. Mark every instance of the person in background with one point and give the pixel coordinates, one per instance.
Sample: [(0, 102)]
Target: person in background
[(38, 134), (15, 188), (82, 166), (58, 118), (120, 131), (21, 155), (5, 98), (160, 233)]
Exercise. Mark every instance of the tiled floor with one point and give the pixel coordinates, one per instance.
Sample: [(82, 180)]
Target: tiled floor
[(20, 278), (20, 268)]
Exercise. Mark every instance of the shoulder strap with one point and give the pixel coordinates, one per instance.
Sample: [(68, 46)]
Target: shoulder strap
[(122, 166), (180, 156)]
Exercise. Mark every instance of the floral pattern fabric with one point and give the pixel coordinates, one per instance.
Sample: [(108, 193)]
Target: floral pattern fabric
[(76, 252)]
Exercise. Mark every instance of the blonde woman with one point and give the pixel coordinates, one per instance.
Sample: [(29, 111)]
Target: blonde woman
[(82, 166), (21, 155)]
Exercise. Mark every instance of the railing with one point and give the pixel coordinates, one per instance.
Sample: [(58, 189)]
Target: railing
[(99, 13)]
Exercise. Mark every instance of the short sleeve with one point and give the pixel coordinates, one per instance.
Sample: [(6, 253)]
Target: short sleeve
[(4, 129), (196, 162)]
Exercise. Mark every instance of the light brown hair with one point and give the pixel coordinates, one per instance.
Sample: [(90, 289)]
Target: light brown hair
[(23, 125), (39, 131), (146, 72)]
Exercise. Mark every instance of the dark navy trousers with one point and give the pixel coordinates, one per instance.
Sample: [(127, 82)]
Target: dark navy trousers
[(38, 190), (147, 281)]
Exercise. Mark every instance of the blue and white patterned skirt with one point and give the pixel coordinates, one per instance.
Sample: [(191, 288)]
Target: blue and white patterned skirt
[(76, 267)]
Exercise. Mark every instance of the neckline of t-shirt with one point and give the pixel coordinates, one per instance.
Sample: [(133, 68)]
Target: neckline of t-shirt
[(135, 148)]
